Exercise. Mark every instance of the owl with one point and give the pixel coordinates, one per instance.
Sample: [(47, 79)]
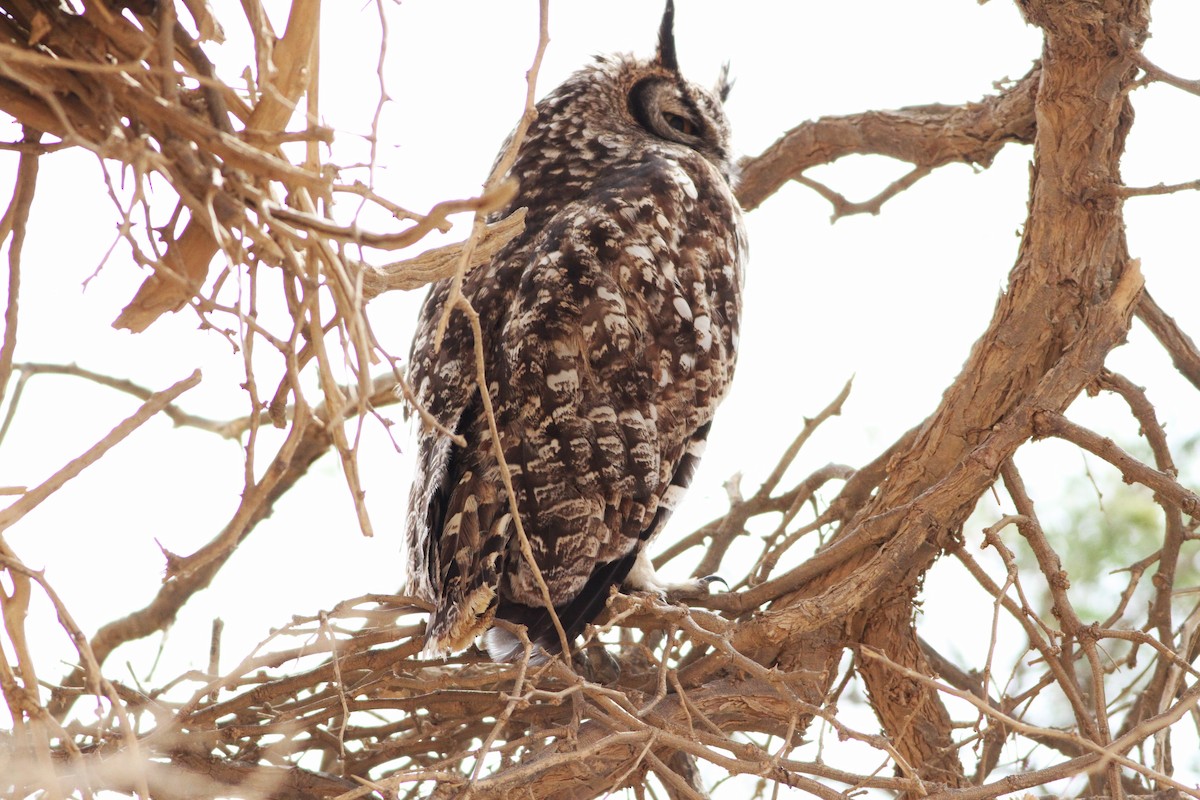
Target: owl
[(609, 336)]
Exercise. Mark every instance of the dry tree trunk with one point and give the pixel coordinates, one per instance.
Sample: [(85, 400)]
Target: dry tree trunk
[(1071, 294)]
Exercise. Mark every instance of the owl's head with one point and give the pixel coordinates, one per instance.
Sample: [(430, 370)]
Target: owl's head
[(608, 111), (670, 107)]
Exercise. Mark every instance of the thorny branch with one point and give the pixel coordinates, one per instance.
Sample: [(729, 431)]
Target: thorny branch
[(340, 704)]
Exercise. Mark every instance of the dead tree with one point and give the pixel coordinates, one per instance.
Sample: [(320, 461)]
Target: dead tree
[(732, 688)]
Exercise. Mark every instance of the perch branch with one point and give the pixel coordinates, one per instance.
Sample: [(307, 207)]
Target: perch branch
[(927, 137)]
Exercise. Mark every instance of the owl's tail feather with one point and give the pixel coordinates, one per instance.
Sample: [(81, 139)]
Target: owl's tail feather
[(454, 625), (503, 646), (468, 600)]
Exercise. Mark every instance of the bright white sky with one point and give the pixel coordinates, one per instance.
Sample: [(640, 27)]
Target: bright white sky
[(895, 300)]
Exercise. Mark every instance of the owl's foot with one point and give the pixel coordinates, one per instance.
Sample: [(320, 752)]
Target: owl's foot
[(643, 578), (695, 586)]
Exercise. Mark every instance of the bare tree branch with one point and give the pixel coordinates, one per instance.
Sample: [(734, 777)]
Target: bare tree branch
[(927, 137)]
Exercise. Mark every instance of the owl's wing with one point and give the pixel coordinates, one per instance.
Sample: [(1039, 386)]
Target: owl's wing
[(459, 522), (451, 537)]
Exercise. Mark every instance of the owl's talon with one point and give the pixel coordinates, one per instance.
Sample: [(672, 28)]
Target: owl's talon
[(696, 586)]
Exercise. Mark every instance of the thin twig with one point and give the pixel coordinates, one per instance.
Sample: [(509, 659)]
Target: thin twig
[(35, 496)]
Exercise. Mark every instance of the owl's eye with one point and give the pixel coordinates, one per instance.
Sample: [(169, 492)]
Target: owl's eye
[(659, 107), (682, 124)]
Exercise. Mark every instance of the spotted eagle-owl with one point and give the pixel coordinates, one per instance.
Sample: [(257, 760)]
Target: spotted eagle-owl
[(610, 327)]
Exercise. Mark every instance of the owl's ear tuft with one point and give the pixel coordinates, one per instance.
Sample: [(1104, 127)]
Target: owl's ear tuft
[(666, 39), (724, 83)]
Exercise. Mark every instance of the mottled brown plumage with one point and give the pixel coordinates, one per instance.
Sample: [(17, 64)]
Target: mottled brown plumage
[(610, 331)]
